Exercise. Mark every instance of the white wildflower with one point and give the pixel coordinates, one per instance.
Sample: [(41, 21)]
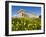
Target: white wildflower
[(35, 24), (24, 23), (16, 28)]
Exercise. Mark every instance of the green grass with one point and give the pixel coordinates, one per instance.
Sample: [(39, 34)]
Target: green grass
[(21, 24)]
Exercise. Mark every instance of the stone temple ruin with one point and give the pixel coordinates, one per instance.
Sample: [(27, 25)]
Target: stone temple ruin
[(22, 13)]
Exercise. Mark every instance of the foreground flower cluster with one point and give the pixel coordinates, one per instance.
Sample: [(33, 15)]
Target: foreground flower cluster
[(22, 24)]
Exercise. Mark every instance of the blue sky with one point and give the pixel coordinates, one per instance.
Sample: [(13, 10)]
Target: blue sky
[(29, 9)]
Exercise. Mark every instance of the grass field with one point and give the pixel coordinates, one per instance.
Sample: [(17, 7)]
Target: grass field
[(22, 24)]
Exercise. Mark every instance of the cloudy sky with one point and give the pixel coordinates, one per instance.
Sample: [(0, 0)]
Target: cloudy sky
[(28, 9)]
